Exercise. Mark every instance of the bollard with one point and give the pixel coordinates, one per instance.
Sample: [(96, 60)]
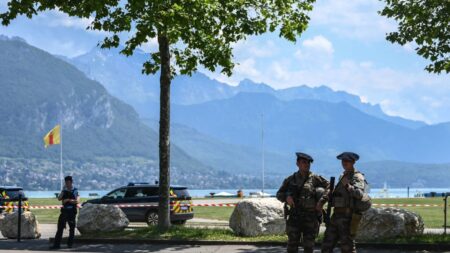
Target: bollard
[(445, 213), (19, 218)]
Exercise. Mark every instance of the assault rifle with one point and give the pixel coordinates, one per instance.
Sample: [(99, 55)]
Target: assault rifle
[(327, 217)]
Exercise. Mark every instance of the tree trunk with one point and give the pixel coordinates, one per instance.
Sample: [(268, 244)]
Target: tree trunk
[(164, 135)]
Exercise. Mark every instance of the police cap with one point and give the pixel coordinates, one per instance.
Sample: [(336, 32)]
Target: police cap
[(304, 157), (350, 156)]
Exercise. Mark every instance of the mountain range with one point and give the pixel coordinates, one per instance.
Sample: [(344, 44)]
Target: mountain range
[(100, 132), (109, 112), (319, 119), (217, 123), (123, 78)]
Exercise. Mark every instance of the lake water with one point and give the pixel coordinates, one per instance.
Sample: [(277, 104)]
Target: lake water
[(374, 193)]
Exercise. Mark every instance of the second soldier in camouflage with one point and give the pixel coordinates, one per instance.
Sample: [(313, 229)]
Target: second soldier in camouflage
[(350, 188), (304, 194)]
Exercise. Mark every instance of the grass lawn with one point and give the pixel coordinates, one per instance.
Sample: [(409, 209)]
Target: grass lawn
[(433, 216), (187, 233), (46, 216), (216, 213)]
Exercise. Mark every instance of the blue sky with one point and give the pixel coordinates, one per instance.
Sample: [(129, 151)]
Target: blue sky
[(344, 48)]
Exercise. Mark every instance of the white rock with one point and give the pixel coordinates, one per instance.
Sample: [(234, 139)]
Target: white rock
[(379, 223), (29, 225), (101, 218), (254, 217)]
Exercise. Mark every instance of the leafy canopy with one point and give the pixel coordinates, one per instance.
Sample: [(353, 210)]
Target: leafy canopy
[(426, 23), (199, 31)]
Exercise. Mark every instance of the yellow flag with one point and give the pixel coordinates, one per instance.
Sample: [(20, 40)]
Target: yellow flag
[(53, 137)]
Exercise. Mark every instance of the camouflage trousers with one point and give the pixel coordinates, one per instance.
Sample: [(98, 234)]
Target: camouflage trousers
[(304, 227), (339, 230)]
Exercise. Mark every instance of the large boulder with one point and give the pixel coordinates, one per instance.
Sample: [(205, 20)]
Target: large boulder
[(255, 217), (378, 223), (29, 225), (95, 218)]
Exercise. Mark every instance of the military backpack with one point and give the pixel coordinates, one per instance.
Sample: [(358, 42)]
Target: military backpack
[(363, 204)]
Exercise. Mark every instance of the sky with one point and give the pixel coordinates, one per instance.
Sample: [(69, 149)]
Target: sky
[(344, 48)]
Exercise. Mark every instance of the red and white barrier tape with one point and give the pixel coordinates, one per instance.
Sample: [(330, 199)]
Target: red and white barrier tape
[(218, 205), (407, 205), (125, 206)]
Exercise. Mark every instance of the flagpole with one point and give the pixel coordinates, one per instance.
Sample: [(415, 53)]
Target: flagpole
[(61, 161), (262, 153)]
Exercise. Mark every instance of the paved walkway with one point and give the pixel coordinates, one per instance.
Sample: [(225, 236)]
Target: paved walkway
[(49, 230), (42, 246)]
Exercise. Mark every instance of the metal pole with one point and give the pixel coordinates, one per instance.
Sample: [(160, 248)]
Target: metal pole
[(445, 214), (61, 161), (19, 219), (262, 150), (408, 191)]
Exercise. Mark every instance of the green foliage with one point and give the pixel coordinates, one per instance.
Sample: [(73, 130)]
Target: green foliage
[(200, 32), (215, 234), (426, 23), (187, 233)]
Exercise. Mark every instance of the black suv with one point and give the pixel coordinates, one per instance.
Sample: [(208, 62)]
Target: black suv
[(146, 194), (9, 195)]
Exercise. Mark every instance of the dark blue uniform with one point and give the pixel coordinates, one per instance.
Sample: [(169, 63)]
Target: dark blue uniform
[(68, 215)]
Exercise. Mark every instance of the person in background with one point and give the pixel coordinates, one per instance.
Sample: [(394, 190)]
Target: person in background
[(70, 199)]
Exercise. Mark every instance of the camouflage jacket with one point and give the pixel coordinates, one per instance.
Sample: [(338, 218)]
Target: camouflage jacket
[(343, 197), (305, 197)]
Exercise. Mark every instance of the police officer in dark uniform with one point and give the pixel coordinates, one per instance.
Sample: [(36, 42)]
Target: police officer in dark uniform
[(70, 199), (304, 194)]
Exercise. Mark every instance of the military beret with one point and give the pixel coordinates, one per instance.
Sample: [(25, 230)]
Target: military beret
[(348, 156), (68, 178), (304, 156)]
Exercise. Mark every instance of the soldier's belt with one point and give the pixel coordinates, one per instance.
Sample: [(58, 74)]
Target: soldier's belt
[(343, 210)]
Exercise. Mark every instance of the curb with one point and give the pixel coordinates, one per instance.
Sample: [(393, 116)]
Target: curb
[(403, 246)]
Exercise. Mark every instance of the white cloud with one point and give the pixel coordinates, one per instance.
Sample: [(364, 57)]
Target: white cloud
[(417, 95), (356, 19), (320, 44), (247, 68), (315, 52), (59, 19), (254, 48)]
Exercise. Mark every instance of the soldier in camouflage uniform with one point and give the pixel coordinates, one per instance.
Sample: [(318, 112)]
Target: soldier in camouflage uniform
[(350, 187), (303, 204)]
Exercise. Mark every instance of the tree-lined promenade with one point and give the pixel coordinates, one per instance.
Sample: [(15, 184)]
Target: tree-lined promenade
[(201, 33)]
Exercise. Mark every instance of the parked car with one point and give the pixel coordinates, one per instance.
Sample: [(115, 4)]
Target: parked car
[(145, 194), (9, 196)]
